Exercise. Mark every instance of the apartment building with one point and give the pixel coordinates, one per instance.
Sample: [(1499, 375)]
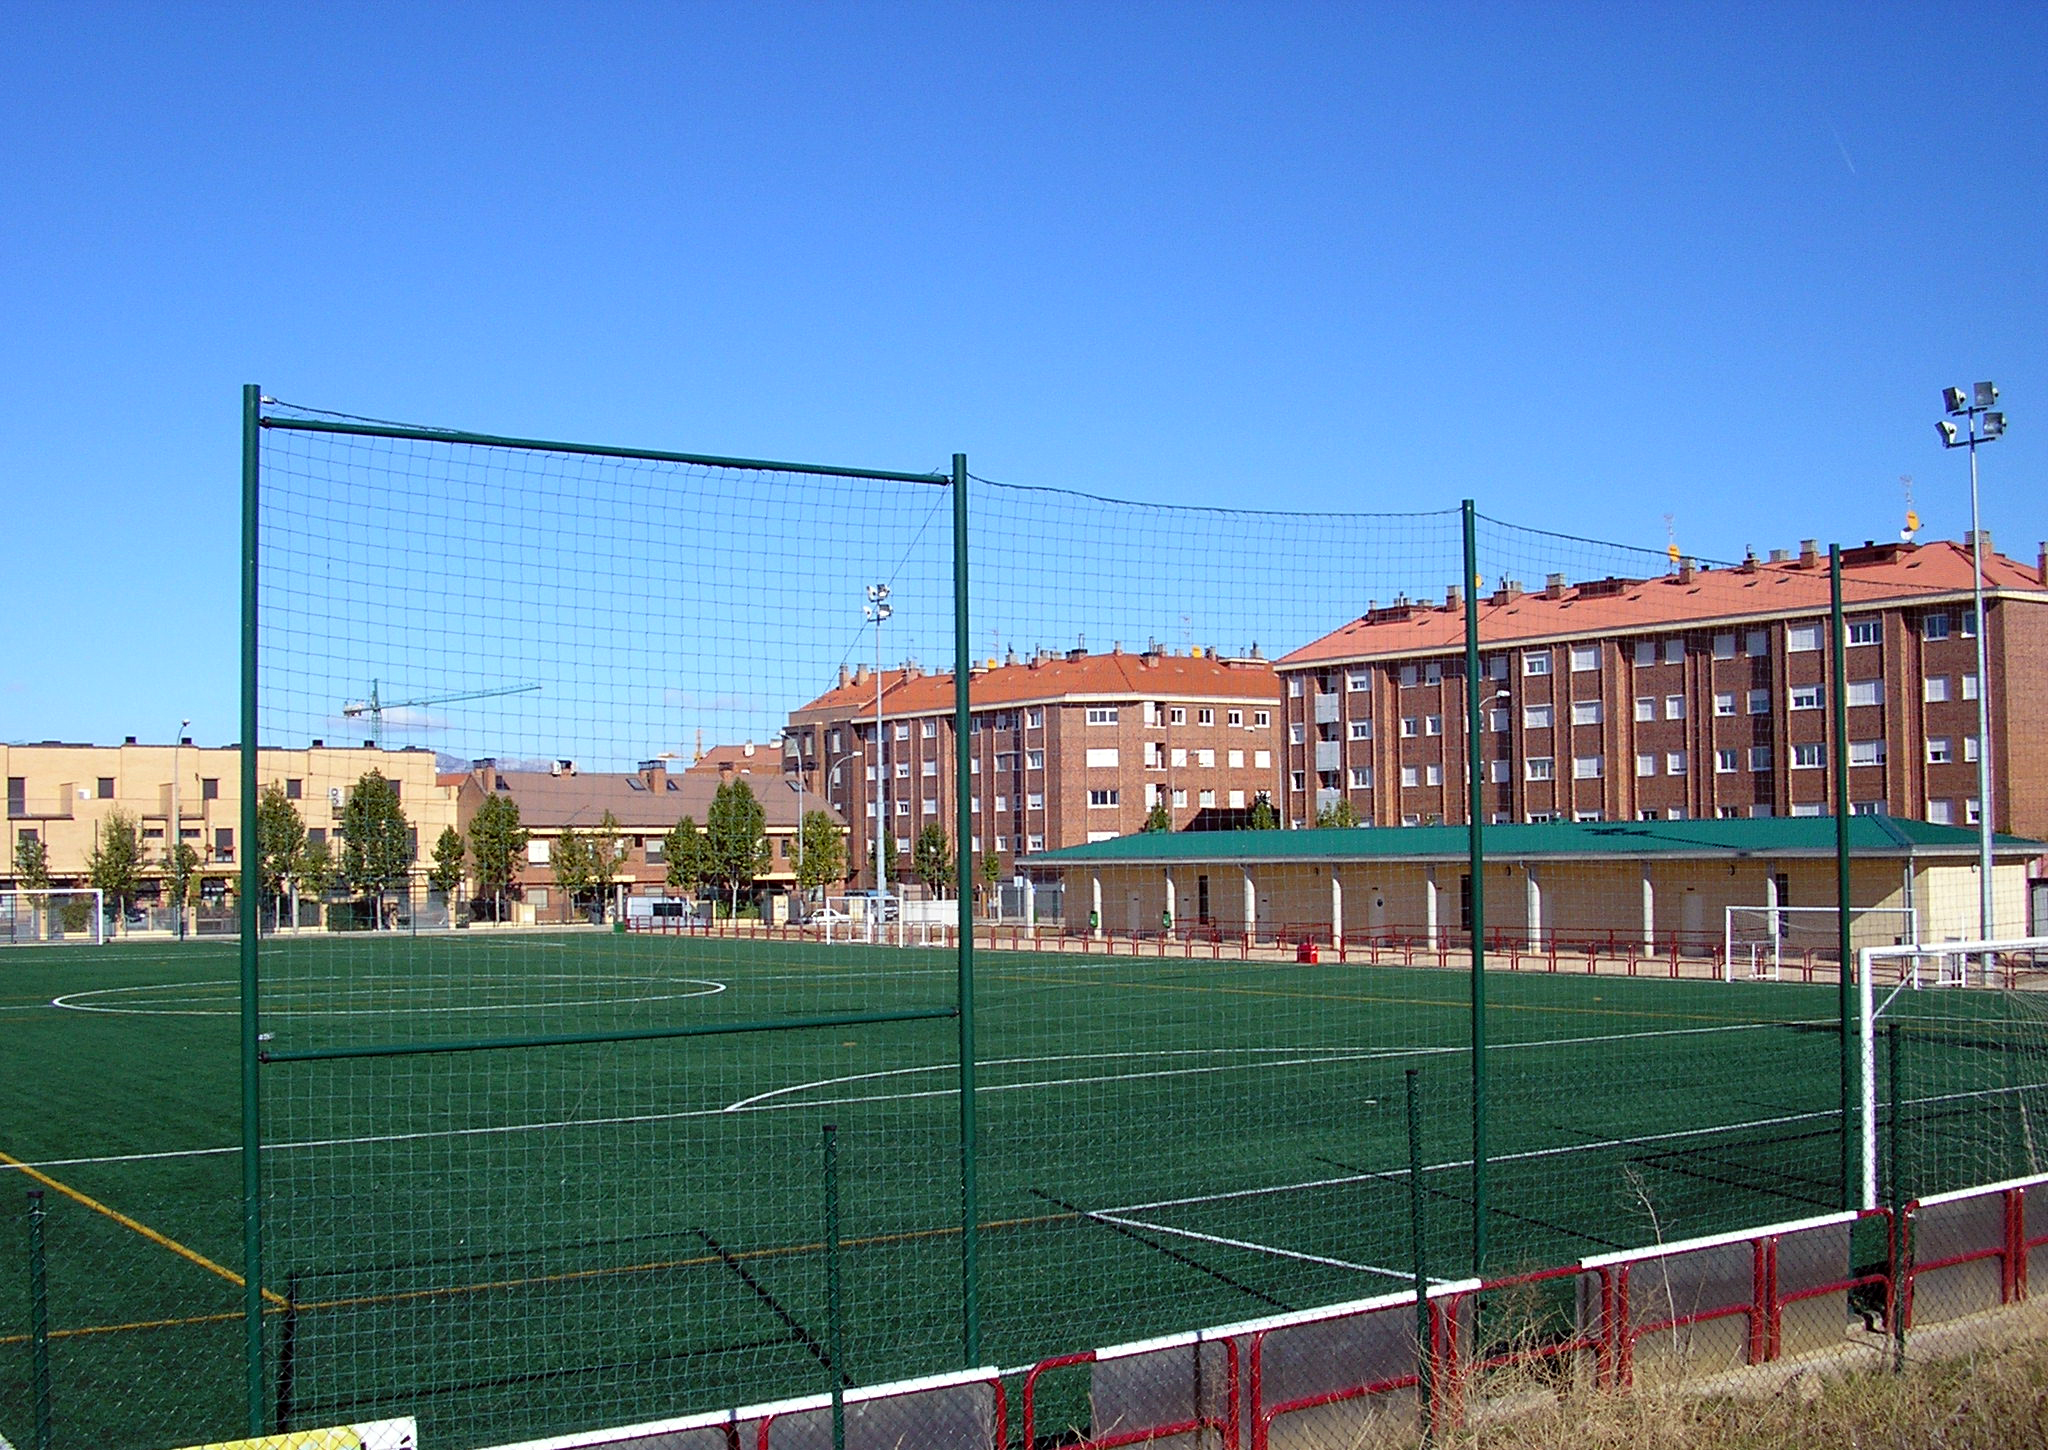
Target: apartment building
[(1701, 694), (61, 793), (646, 803), (1063, 748)]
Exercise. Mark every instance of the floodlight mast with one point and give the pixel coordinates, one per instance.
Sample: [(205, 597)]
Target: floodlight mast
[(1975, 408), (877, 610)]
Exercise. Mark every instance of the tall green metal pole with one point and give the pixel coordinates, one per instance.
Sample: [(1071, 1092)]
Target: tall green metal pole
[(963, 834), (1895, 1192), (252, 883), (1425, 1342), (1476, 813), (1838, 700)]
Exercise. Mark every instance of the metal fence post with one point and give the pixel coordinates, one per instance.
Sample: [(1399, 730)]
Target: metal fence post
[(1902, 1249), (39, 1323), (1425, 1346), (1838, 694), (834, 1336), (963, 786), (252, 885), (1476, 814)]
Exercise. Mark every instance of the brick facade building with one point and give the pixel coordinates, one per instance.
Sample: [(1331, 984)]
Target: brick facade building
[(1064, 749), (1702, 694)]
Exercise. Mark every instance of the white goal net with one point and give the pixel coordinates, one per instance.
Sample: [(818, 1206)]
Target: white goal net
[(58, 915), (1760, 942)]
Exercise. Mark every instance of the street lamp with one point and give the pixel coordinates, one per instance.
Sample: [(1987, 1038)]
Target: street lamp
[(877, 610), (1981, 423), (177, 840)]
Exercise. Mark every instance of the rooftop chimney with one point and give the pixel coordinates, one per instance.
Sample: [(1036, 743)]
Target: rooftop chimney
[(1010, 656), (1687, 568), (1970, 541), (1453, 598), (2041, 564), (1781, 556), (1809, 553), (1553, 586), (367, 744), (319, 744), (844, 676), (564, 767), (130, 740)]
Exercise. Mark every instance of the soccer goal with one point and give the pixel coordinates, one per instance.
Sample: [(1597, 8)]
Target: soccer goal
[(1983, 1056), (1757, 941), (73, 916)]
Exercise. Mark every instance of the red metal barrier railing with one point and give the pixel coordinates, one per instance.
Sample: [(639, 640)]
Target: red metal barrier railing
[(1225, 1426), (2012, 1250)]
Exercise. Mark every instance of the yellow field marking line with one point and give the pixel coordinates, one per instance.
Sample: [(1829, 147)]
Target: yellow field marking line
[(1448, 1003), (278, 1304), (164, 1241)]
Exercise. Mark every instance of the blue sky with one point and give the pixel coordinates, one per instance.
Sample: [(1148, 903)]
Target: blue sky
[(1589, 265)]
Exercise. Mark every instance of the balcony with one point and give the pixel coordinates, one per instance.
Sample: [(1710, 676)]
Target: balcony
[(1329, 755), (1327, 709)]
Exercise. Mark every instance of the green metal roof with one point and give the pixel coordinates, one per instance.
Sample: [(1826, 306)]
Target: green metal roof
[(1775, 836)]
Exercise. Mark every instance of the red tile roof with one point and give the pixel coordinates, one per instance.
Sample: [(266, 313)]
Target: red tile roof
[(1872, 575), (1104, 676)]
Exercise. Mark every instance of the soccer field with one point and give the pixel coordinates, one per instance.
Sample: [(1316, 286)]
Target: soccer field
[(510, 1242)]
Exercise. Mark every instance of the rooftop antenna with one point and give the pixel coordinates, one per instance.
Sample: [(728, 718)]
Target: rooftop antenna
[(1671, 541), (1912, 514)]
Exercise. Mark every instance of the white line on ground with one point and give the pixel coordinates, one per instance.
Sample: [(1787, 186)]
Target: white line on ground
[(1187, 1233)]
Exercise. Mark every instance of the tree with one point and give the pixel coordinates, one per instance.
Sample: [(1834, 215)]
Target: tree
[(991, 875), (445, 875), (182, 880), (115, 865), (683, 848), (931, 858), (607, 854), (1338, 813), (375, 848), (823, 851), (280, 839), (31, 863), (570, 860), (1159, 818), (735, 839), (1263, 817), (497, 842), (315, 871)]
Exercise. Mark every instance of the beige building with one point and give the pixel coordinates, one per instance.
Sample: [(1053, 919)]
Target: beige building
[(61, 794)]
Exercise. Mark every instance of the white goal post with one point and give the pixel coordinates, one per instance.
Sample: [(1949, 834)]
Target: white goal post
[(53, 915), (1925, 964), (1755, 940)]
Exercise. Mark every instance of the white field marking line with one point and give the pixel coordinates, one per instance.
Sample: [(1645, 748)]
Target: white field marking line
[(685, 1114), (71, 1001), (1188, 1233)]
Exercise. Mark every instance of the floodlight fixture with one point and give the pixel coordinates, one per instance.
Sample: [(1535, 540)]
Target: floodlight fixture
[(1994, 425), (1955, 401), (1947, 430), (1987, 395)]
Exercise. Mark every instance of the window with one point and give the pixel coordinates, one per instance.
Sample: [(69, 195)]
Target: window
[(903, 730), (1866, 631), (1411, 775), (931, 806), (1205, 717), (1358, 681), (1674, 763), (105, 787), (1361, 777), (1411, 820), (1759, 702), (902, 808), (1724, 646), (1410, 727), (1536, 662), (1104, 797), (1940, 750), (1236, 799), (1646, 765), (1585, 657), (1969, 687), (1589, 815), (1433, 673), (1035, 801), (1806, 756), (1497, 668), (1724, 703), (1432, 775), (1728, 813), (1361, 729), (903, 770), (1941, 813), (1294, 687), (1588, 767), (1180, 795), (1432, 724), (294, 789), (1650, 815), (1261, 719), (1674, 651), (1934, 689), (1497, 720), (1646, 652), (1934, 626), (1034, 843), (1206, 759), (1804, 697), (1102, 757), (1035, 718), (1539, 767), (1034, 760), (1867, 808), (1410, 675), (1760, 757), (1262, 760), (652, 848), (1497, 772), (1674, 707), (224, 843), (1586, 712), (1102, 714), (537, 851), (209, 788), (1866, 692), (1757, 643), (1178, 715), (1968, 622), (929, 768), (1542, 818), (1807, 808), (1973, 812), (1236, 759), (1970, 749), (1646, 707), (1866, 752), (1235, 717), (1536, 717), (1727, 762), (1802, 638), (1295, 779), (929, 729), (1295, 732)]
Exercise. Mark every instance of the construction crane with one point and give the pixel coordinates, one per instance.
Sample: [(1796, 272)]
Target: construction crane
[(375, 707)]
